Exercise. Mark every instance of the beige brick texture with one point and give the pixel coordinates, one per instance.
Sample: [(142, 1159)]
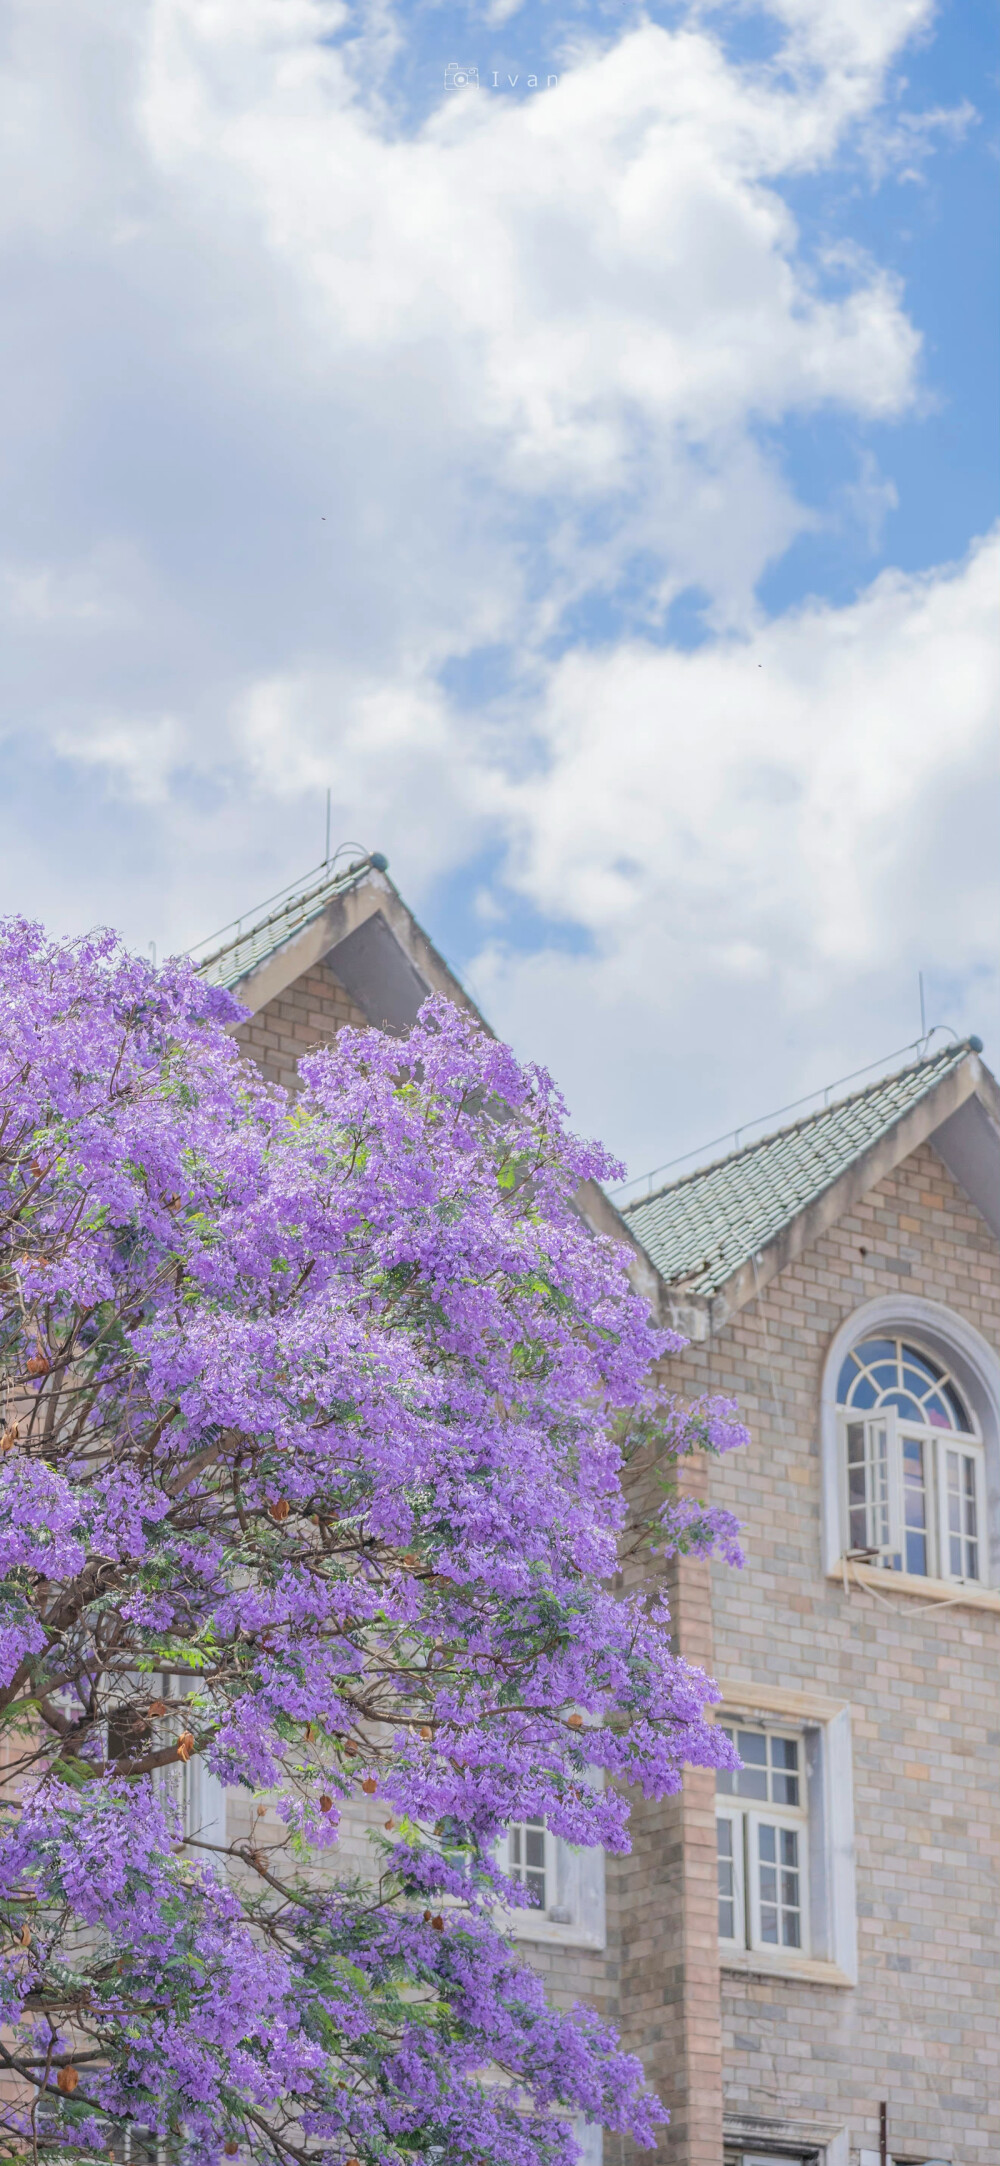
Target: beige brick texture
[(922, 2027), (307, 1014)]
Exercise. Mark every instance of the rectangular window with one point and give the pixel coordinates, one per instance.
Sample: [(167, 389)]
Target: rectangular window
[(872, 1484), (915, 1504), (961, 1510), (771, 1768), (527, 1858), (729, 1830), (763, 1861), (564, 1884), (777, 1883)]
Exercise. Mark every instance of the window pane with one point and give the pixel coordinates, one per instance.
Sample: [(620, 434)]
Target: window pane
[(868, 1485), (846, 1378), (752, 1778), (875, 1350), (790, 1913), (526, 1851), (724, 1780), (779, 1886), (960, 1416), (784, 1771), (962, 1514), (955, 1516), (914, 1504), (922, 1363), (864, 1394), (913, 1381), (727, 1880), (768, 1884), (904, 1405)]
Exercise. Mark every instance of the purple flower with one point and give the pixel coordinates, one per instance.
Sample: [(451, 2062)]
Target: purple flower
[(319, 1416)]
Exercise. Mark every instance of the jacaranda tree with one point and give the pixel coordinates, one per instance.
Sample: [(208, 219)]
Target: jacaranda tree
[(313, 1420)]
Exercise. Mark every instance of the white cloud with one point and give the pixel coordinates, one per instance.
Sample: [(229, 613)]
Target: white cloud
[(313, 406), (789, 824), (138, 758)]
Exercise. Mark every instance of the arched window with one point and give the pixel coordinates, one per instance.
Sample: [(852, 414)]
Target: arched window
[(911, 1462)]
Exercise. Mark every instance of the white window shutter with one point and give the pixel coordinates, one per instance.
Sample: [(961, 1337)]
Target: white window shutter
[(965, 1453), (883, 1481), (894, 1469)]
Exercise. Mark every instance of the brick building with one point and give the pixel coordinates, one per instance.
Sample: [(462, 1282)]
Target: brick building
[(822, 1935)]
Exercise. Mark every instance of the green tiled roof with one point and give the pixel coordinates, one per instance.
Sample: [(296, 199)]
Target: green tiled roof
[(249, 940), (699, 1230)]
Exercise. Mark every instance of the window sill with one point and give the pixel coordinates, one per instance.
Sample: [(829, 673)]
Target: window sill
[(947, 1592), (547, 1932), (808, 1969)]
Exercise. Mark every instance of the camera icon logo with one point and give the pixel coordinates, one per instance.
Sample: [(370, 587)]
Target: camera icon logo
[(458, 78)]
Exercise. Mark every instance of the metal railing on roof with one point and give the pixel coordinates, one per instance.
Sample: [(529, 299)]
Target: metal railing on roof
[(733, 1135), (225, 960)]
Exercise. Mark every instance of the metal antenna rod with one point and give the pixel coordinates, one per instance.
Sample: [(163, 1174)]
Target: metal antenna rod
[(326, 859), (923, 1013)]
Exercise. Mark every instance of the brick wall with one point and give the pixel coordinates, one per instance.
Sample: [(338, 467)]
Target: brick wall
[(308, 1013), (922, 2028), (662, 1914)]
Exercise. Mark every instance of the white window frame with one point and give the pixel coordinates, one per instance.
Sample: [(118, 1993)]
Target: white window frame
[(827, 1821), (736, 1819), (887, 1421), (936, 1443), (574, 1913), (549, 1864), (976, 1370), (793, 1824), (971, 1449), (747, 1816)]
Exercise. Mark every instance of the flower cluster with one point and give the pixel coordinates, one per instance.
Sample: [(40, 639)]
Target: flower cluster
[(311, 1470)]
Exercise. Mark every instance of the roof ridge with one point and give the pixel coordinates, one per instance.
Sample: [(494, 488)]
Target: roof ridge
[(285, 913), (940, 1061)]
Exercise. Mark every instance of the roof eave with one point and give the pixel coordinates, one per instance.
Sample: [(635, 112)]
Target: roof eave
[(371, 895), (881, 1157)]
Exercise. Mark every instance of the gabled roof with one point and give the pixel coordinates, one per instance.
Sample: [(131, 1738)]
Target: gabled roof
[(228, 956), (350, 916), (717, 1233)]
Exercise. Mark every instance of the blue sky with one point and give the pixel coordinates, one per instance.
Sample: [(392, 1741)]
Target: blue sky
[(592, 484)]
